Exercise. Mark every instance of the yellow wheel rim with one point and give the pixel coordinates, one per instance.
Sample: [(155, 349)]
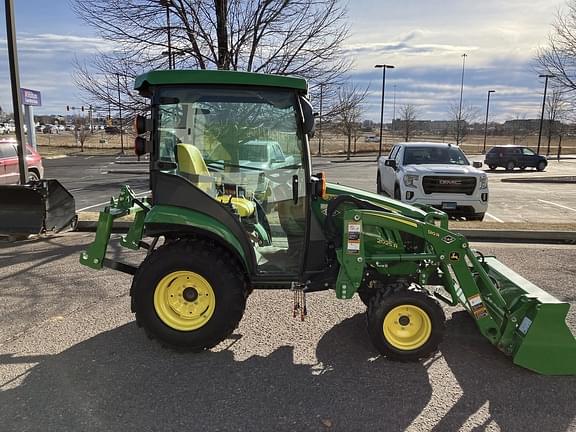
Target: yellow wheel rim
[(184, 300), (407, 327)]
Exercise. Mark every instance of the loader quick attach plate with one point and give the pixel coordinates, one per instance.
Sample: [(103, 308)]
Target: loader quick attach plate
[(541, 340)]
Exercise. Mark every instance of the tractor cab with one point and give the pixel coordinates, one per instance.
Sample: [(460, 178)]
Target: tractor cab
[(237, 145)]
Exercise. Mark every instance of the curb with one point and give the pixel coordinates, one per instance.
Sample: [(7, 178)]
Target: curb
[(50, 157), (474, 235), (563, 179), (126, 171), (131, 162)]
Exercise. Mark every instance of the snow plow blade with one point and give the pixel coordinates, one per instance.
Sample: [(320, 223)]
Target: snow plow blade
[(35, 208), (539, 338)]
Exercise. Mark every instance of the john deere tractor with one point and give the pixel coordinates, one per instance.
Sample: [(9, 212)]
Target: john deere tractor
[(234, 207)]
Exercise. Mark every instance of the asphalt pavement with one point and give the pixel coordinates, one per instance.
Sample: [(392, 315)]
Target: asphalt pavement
[(94, 179), (72, 359)]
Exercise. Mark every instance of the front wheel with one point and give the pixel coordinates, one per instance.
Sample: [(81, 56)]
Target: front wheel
[(406, 325), (190, 295), (378, 184), (475, 217), (492, 167), (541, 166), (397, 193)]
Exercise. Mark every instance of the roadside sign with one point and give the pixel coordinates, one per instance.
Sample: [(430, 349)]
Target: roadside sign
[(31, 97)]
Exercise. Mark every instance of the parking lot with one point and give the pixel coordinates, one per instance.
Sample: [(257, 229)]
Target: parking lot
[(93, 179), (72, 357)]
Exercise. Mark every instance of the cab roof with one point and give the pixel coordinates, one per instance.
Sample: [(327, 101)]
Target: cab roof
[(217, 77)]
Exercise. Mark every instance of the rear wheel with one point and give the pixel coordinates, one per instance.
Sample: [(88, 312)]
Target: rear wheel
[(189, 295), (510, 165), (406, 325), (492, 167), (541, 166)]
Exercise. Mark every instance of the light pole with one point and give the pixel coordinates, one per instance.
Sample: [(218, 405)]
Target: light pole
[(394, 110), (546, 76), (168, 3), (322, 84), (383, 67), (120, 114), (486, 123), (460, 105)]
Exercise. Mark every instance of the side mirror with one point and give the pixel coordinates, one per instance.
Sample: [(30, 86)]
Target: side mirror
[(390, 163), (308, 112), (477, 164), (141, 146)]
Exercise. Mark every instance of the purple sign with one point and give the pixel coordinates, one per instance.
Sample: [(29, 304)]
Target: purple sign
[(31, 97)]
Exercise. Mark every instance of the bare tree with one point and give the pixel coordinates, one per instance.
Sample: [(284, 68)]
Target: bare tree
[(348, 111), (296, 37), (461, 119), (408, 115), (558, 57)]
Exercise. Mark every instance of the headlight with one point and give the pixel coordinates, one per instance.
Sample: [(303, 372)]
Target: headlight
[(484, 182), (411, 180)]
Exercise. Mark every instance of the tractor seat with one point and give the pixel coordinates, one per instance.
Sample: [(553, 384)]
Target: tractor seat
[(191, 165)]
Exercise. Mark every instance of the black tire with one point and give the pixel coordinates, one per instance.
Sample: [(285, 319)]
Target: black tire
[(366, 295), (383, 304), (33, 175), (541, 166), (213, 263), (492, 167), (378, 184), (522, 167), (475, 217), (397, 193), (510, 165)]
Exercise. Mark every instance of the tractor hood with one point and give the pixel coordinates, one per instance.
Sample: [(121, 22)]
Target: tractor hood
[(333, 190)]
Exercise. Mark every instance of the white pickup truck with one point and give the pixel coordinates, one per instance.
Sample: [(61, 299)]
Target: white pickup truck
[(436, 174)]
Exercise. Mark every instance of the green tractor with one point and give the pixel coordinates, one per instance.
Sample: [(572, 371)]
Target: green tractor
[(236, 207)]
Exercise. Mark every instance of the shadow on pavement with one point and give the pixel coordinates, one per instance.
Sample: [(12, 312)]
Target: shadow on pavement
[(118, 380), (518, 399)]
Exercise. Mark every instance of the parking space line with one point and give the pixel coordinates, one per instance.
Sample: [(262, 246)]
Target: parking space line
[(557, 205), (494, 217)]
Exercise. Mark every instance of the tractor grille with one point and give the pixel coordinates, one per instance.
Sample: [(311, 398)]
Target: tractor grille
[(459, 185)]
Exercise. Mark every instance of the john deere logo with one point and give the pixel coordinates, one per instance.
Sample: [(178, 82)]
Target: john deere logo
[(454, 256), (450, 181)]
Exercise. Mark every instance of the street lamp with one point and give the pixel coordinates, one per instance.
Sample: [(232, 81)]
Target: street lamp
[(168, 3), (486, 123), (546, 76), (383, 67), (322, 84), (460, 105)]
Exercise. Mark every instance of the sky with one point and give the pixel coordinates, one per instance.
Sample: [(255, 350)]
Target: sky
[(423, 39)]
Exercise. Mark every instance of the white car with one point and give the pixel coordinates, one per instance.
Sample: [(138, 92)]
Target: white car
[(435, 174)]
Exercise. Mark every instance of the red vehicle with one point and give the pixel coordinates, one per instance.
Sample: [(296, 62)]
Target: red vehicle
[(9, 172)]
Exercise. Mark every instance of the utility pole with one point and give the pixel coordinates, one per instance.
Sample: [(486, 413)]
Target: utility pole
[(168, 3), (15, 82)]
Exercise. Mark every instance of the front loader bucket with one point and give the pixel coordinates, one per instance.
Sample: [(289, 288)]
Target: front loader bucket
[(35, 208), (539, 337)]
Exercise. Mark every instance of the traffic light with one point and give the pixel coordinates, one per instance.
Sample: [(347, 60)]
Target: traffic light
[(67, 107), (82, 108)]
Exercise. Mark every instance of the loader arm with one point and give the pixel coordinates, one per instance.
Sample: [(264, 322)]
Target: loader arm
[(517, 317)]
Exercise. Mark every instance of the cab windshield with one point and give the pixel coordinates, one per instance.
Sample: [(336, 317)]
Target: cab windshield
[(434, 155)]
